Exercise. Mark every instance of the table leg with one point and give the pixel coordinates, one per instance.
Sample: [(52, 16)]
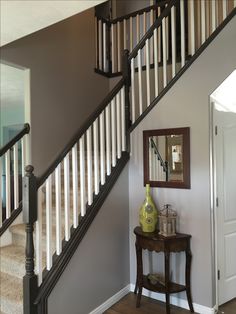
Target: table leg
[(187, 277), (139, 280), (167, 281)]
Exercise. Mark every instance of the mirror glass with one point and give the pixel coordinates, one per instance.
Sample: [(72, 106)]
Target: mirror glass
[(166, 157)]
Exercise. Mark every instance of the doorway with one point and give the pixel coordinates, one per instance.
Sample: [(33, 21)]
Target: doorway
[(223, 124)]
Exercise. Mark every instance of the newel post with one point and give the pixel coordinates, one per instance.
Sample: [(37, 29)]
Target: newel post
[(30, 284), (126, 73)]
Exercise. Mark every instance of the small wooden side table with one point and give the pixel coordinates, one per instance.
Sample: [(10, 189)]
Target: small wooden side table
[(155, 242)]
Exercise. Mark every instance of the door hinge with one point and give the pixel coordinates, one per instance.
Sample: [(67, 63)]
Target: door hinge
[(217, 202), (218, 274), (216, 130)]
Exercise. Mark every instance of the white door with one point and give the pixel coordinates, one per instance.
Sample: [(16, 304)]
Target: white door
[(225, 156)]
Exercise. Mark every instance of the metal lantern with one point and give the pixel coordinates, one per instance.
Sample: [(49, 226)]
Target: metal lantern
[(167, 221)]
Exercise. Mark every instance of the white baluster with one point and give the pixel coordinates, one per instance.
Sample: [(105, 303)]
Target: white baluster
[(192, 23), (119, 46), (224, 4), (58, 209), (49, 222), (123, 119), (213, 16), (144, 31), (95, 147), (8, 185), (148, 72), (102, 148), (113, 133), (1, 196), (235, 3), (104, 48), (140, 88), (38, 239), (133, 90), (118, 124), (164, 53), (156, 76), (100, 44), (89, 165), (113, 48), (75, 184), (173, 40), (82, 176), (182, 26), (131, 33), (108, 139), (203, 21), (167, 36), (137, 28), (16, 176), (125, 33), (152, 38), (67, 196), (23, 149)]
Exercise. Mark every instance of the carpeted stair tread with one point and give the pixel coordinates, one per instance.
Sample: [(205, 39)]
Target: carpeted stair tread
[(13, 260), (11, 291)]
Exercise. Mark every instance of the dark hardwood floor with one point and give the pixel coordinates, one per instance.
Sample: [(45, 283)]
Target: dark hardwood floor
[(127, 305), (228, 308)]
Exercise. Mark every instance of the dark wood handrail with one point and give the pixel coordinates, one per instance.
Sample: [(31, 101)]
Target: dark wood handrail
[(133, 14), (149, 33), (15, 139), (81, 131)]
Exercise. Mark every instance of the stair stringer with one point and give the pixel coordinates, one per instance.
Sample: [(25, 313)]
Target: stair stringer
[(187, 104)]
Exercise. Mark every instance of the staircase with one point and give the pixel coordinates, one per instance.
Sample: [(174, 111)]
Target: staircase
[(59, 207)]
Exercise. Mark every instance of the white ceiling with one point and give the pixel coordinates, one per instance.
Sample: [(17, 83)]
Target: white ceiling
[(22, 17)]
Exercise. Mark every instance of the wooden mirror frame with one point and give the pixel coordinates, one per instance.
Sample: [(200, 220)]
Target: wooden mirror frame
[(185, 184)]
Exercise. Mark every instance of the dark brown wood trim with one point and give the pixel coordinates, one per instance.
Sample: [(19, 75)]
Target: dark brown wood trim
[(187, 65), (12, 142), (52, 277)]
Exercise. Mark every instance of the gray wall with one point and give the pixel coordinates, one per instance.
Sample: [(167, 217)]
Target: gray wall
[(64, 87), (100, 266), (187, 104)]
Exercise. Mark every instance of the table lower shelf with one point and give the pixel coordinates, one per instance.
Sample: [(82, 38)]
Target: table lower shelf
[(158, 287)]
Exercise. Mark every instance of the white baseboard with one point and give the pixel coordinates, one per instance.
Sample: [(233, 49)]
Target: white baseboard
[(115, 298), (198, 308), (177, 301)]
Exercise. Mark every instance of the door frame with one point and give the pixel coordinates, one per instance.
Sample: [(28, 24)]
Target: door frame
[(213, 195)]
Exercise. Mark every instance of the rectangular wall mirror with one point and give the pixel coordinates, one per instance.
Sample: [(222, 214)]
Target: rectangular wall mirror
[(166, 156)]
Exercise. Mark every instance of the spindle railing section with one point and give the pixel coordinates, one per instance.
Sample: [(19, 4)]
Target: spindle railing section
[(61, 197), (12, 163), (185, 29), (59, 201), (68, 190), (114, 36)]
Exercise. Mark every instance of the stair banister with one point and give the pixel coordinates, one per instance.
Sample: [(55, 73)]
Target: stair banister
[(101, 141), (110, 33), (9, 152)]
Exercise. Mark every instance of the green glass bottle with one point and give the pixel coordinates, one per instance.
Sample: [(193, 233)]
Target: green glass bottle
[(148, 213)]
